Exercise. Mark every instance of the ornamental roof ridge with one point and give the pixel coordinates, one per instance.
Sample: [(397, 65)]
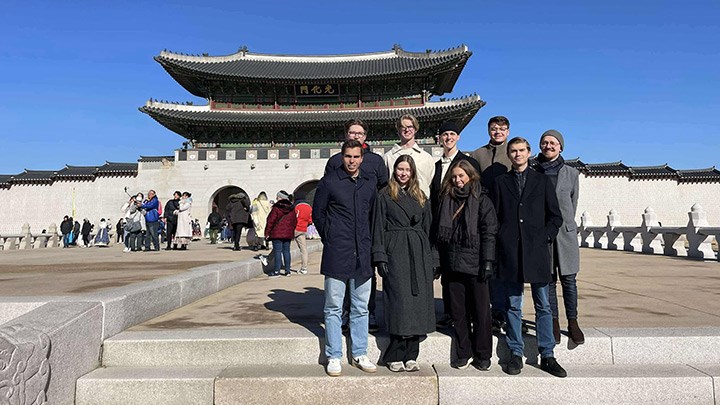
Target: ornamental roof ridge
[(662, 166), (244, 54), (206, 107)]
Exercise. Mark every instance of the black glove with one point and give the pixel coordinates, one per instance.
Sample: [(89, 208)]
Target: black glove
[(437, 272), (382, 269), (487, 271)]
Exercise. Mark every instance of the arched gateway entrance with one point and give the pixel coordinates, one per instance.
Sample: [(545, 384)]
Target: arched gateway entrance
[(221, 198), (307, 190)]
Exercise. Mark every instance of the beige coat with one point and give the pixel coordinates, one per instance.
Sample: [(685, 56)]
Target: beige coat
[(259, 211)]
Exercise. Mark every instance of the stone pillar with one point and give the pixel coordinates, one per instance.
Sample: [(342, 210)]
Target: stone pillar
[(586, 239), (699, 245), (651, 242), (612, 234), (54, 240), (26, 240)]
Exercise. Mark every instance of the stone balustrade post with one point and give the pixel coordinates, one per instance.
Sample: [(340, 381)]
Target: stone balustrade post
[(585, 234), (651, 242), (26, 240), (54, 240), (699, 245), (612, 234)]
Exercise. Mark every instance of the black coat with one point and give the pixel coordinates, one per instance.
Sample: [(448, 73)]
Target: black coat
[(436, 184), (86, 228), (400, 239), (238, 209), (169, 211), (528, 225), (341, 214), (467, 260)]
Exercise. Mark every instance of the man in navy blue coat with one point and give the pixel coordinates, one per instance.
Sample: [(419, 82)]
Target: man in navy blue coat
[(374, 165), (341, 214)]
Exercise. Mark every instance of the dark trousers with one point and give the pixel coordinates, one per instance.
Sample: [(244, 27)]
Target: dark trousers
[(152, 236), (170, 230), (86, 239), (134, 241), (470, 300), (402, 348), (237, 233)]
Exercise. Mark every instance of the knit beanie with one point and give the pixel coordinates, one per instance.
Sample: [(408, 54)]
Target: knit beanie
[(555, 134), (282, 195)]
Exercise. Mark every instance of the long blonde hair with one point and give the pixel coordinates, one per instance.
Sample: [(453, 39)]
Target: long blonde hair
[(413, 188)]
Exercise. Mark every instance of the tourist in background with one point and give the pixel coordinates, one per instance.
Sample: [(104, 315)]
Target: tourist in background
[(215, 224), (494, 161), (184, 232), (152, 216), (85, 231), (565, 251), (401, 253), (171, 219), (120, 231), (259, 212), (66, 230), (341, 213), (280, 229), (102, 237), (529, 218), (134, 227), (466, 231), (449, 136), (303, 213), (75, 233), (238, 214)]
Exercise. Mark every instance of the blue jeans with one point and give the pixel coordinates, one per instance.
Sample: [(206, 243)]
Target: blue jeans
[(66, 239), (152, 235), (570, 296), (543, 319), (359, 296), (281, 250)]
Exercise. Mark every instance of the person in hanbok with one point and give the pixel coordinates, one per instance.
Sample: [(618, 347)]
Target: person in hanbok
[(184, 233), (102, 238)]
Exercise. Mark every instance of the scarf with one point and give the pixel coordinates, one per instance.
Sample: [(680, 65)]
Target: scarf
[(550, 168), (459, 215)]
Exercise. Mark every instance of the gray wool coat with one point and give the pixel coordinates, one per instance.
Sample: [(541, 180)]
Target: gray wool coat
[(567, 191)]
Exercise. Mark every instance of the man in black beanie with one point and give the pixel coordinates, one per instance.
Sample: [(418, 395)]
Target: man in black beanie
[(449, 136)]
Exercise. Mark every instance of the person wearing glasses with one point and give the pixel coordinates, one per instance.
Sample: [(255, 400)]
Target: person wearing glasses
[(407, 127), (565, 252), (373, 165), (372, 162), (494, 161)]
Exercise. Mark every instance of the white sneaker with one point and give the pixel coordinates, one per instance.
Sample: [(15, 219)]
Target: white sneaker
[(126, 250), (363, 363), (412, 365), (302, 271), (263, 260), (333, 368), (396, 366)]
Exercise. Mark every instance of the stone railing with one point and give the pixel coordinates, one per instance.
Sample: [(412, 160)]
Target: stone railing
[(693, 240), (27, 240)]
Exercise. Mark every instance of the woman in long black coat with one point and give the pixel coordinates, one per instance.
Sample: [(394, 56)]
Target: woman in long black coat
[(467, 227), (401, 252)]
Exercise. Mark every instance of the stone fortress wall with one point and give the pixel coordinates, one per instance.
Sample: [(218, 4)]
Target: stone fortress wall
[(39, 205)]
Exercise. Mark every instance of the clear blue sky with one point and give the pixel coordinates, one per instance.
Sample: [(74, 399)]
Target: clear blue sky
[(637, 81)]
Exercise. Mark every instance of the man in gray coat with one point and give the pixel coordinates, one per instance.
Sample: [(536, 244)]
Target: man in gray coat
[(566, 252)]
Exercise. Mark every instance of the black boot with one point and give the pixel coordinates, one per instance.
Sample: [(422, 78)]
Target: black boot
[(556, 330), (550, 365), (576, 335)]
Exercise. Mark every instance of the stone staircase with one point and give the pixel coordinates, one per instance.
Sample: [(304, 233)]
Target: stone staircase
[(262, 365)]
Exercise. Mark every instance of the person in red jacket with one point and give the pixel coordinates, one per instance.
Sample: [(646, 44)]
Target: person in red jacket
[(280, 229), (303, 213)]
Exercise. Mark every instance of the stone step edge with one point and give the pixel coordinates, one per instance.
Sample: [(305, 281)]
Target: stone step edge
[(298, 346), (447, 380)]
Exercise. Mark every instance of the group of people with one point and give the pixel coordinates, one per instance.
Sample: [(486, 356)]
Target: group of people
[(146, 220), (485, 224), (279, 223), (71, 231)]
